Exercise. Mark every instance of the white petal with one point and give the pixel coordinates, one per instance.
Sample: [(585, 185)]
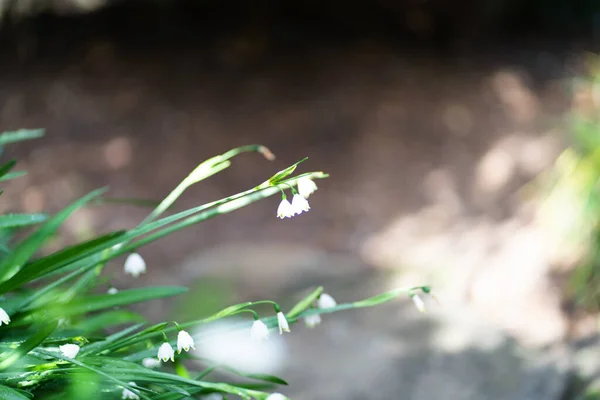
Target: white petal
[(283, 323), (166, 352), (4, 318), (151, 362), (128, 394), (259, 330), (418, 302), (69, 350), (112, 290), (306, 187), (135, 265), (285, 209), (277, 396), (326, 301), (184, 341), (299, 204), (312, 320)]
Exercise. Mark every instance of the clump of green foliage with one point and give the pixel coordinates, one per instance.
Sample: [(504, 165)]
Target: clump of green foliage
[(63, 337)]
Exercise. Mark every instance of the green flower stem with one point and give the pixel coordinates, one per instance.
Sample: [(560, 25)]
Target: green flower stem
[(254, 313), (223, 206), (271, 322), (204, 170)]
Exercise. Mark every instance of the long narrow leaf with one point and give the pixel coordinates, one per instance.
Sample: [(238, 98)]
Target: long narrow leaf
[(20, 220), (20, 135), (38, 337), (11, 264)]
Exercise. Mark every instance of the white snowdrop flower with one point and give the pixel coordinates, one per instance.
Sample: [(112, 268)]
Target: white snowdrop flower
[(326, 301), (184, 341), (306, 187), (312, 320), (112, 290), (128, 394), (259, 330), (285, 209), (135, 265), (283, 323), (69, 350), (166, 352), (277, 396), (4, 318), (299, 204), (418, 302), (151, 363)]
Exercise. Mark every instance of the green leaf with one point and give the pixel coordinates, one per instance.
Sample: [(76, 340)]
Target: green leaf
[(20, 135), (109, 319), (7, 167), (139, 337), (264, 377), (20, 220), (93, 369), (304, 303), (7, 393), (38, 337), (12, 175), (101, 302), (27, 248), (57, 260)]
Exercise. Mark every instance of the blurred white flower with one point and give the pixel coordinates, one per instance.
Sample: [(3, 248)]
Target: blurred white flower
[(306, 187), (112, 290), (326, 301), (285, 209), (184, 341), (212, 396), (225, 344), (276, 396), (312, 320), (418, 302), (151, 362), (166, 352), (135, 265), (4, 318), (299, 204), (69, 350), (283, 323), (128, 394), (259, 330)]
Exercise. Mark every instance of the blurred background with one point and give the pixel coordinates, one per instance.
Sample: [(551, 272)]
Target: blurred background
[(463, 143)]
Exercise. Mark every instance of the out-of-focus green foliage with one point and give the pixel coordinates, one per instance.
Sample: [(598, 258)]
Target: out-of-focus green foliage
[(52, 304), (573, 204)]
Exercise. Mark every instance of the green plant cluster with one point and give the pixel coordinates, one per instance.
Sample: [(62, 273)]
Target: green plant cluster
[(56, 302)]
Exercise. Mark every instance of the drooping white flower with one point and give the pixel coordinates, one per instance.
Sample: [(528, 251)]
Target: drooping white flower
[(326, 301), (306, 187), (166, 352), (283, 323), (151, 363), (4, 318), (128, 394), (184, 341), (312, 320), (418, 302), (285, 209), (135, 265), (299, 204), (112, 290), (259, 330), (277, 396), (69, 350)]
